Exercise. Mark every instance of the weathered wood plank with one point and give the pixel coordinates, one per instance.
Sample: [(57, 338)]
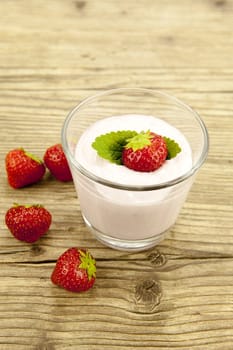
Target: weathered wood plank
[(112, 314), (177, 295)]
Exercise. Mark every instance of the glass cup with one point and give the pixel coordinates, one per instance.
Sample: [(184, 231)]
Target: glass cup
[(132, 217)]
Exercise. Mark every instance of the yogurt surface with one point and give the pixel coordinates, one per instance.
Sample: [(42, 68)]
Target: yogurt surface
[(170, 170)]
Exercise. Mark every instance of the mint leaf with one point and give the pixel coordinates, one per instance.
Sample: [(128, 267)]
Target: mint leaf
[(110, 146), (172, 147)]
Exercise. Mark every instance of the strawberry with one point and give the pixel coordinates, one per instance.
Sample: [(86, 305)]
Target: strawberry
[(56, 162), (75, 270), (23, 168), (145, 152), (28, 222)]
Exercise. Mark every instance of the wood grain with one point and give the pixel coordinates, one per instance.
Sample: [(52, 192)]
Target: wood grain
[(177, 295)]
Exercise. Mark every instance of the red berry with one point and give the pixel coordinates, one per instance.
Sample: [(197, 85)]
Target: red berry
[(145, 152), (56, 162), (23, 168), (28, 222), (75, 270)]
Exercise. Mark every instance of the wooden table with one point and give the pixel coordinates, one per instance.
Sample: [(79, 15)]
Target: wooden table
[(178, 295)]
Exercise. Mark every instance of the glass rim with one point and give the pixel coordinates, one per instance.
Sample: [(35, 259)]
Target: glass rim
[(116, 185)]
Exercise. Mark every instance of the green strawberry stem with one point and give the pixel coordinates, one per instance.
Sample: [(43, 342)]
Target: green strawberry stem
[(139, 141), (87, 263), (33, 157), (27, 205)]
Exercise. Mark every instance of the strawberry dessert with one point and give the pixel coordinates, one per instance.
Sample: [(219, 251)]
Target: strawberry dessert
[(130, 162)]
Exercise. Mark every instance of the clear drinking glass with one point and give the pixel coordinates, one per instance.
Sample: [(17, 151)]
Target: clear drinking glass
[(132, 217)]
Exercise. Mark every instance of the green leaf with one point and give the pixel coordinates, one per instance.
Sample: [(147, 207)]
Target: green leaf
[(110, 145), (172, 147)]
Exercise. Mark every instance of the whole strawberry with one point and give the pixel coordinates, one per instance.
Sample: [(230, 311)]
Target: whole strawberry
[(28, 222), (145, 152), (23, 168), (56, 162), (75, 270)]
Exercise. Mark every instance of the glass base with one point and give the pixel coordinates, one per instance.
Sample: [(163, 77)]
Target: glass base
[(127, 245)]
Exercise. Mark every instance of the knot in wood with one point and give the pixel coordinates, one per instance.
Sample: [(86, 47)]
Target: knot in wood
[(156, 258), (220, 3), (80, 4), (36, 250), (147, 295)]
